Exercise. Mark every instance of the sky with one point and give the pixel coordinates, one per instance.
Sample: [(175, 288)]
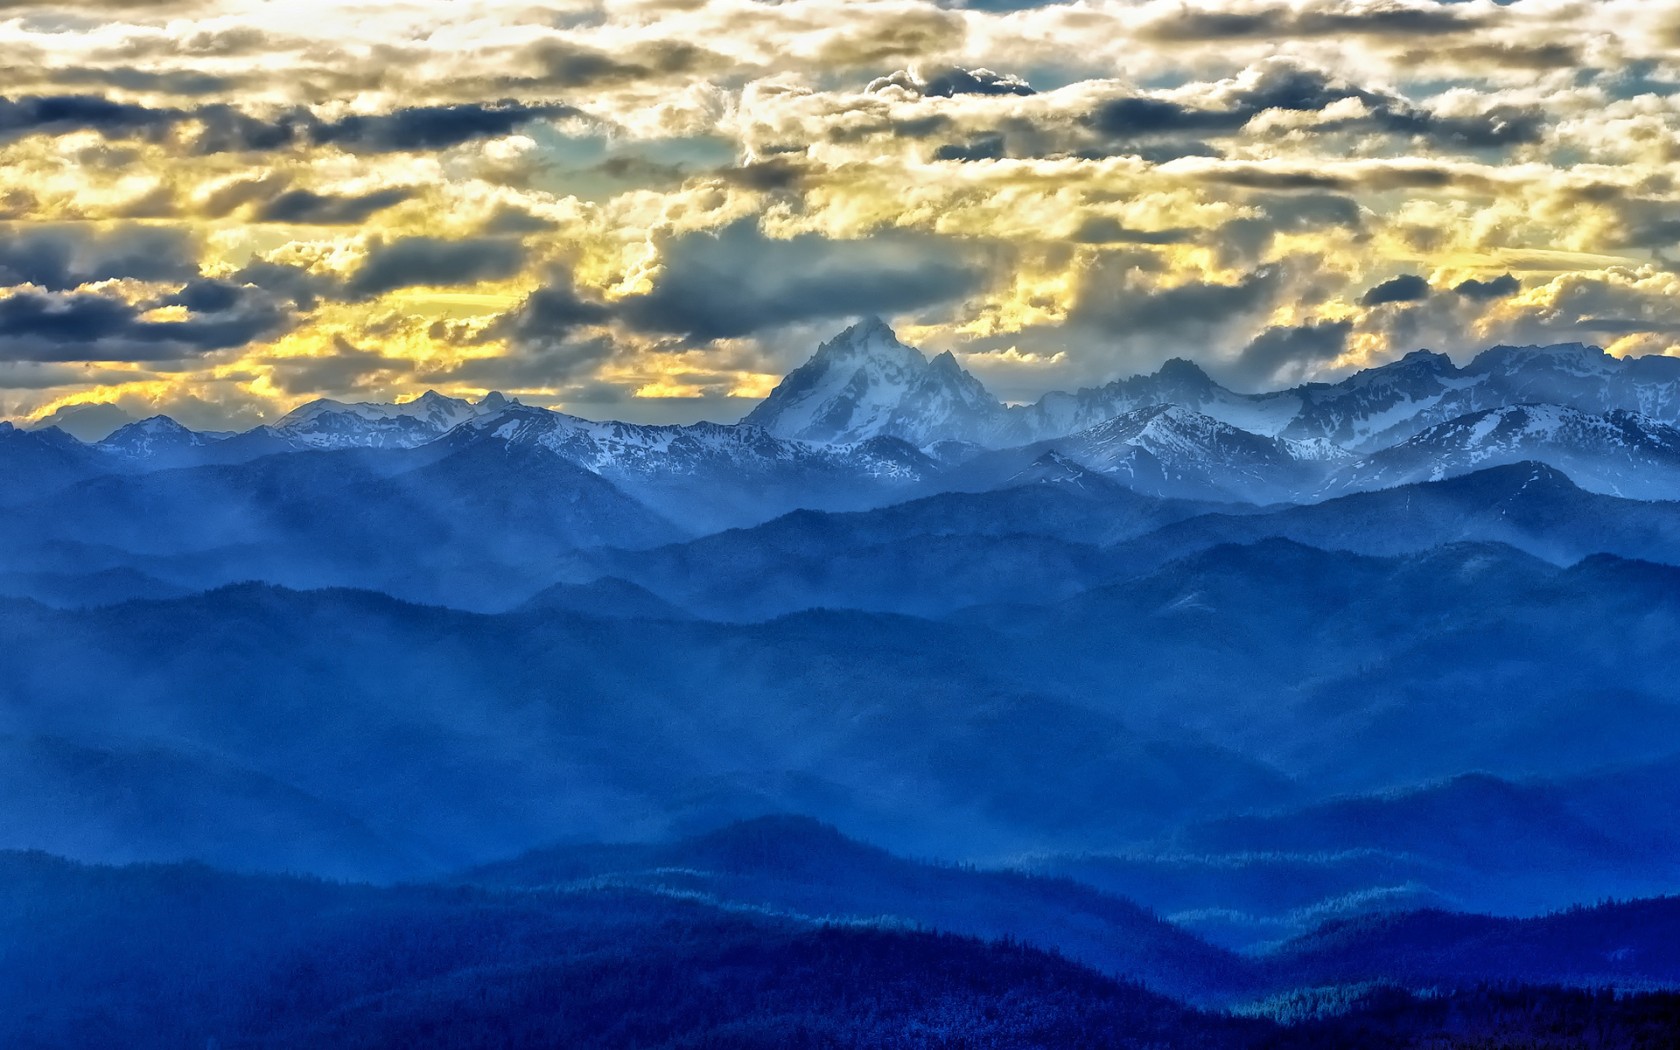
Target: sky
[(653, 209)]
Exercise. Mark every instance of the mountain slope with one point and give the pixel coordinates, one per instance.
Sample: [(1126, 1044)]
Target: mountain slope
[(453, 735), (476, 522), (1619, 453), (1030, 542), (34, 463), (161, 957), (707, 476), (796, 866), (1530, 506)]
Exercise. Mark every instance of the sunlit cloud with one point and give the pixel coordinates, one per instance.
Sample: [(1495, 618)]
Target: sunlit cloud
[(655, 208)]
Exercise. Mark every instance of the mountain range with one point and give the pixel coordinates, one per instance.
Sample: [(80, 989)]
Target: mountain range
[(1159, 711), (869, 421)]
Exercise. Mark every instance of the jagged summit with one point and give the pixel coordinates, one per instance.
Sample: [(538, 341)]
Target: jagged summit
[(865, 383), (1184, 371)]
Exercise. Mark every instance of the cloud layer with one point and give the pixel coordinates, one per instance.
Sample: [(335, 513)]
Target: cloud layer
[(652, 209)]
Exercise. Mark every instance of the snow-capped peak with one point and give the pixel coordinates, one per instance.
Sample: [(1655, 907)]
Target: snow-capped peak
[(865, 383), (152, 437)]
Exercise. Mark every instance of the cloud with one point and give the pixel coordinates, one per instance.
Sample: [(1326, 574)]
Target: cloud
[(1106, 229), (1497, 288), (1288, 86), (738, 281), (1114, 298), (989, 147), (347, 369), (410, 261), (1406, 288), (62, 257), (288, 283), (1289, 353), (421, 128), (552, 363), (1176, 179), (566, 64), (87, 326), (549, 315), (307, 207), (223, 128), (950, 81), (57, 114), (1273, 22)]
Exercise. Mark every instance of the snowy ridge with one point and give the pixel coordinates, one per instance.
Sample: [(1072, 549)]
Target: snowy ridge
[(1619, 453), (1177, 382), (653, 451), (869, 418), (329, 424), (1172, 450)]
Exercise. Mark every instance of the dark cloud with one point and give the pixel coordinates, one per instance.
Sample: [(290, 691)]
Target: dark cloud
[(1104, 229), (433, 127), (1289, 352), (83, 326), (1503, 125), (545, 333), (1225, 109), (1406, 288), (300, 287), (59, 114), (220, 128), (1111, 298), (738, 281), (188, 82), (1139, 116), (549, 316), (231, 196), (1408, 175), (890, 35), (989, 147), (64, 257), (1260, 177), (1497, 288), (348, 368), (768, 176), (1636, 221), (1549, 55), (1282, 22), (1286, 85), (415, 261), (224, 129), (306, 207), (1244, 241), (1308, 211), (551, 363), (208, 295), (568, 65), (509, 219)]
